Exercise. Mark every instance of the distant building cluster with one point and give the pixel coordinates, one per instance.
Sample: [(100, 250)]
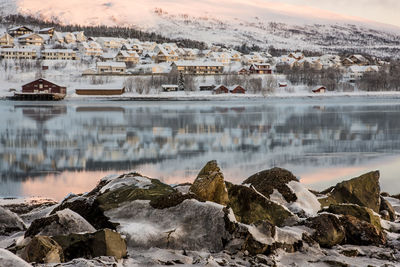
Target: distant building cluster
[(125, 56)]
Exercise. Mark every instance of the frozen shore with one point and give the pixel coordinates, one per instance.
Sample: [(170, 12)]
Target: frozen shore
[(270, 219), (207, 96)]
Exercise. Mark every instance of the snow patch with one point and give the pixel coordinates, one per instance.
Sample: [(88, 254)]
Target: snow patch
[(138, 181), (306, 201)]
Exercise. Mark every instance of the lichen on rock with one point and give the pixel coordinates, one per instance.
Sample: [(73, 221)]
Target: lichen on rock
[(210, 185)]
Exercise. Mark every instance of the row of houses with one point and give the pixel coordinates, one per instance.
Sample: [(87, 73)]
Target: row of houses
[(31, 53), (299, 60), (220, 89), (38, 39), (185, 67)]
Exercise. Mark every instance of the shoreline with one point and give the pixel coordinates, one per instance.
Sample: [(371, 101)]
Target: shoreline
[(200, 97)]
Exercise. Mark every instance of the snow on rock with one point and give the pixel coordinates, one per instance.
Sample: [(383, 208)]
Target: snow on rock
[(184, 189), (138, 181), (62, 223), (306, 201), (109, 177), (103, 261), (191, 225), (8, 259)]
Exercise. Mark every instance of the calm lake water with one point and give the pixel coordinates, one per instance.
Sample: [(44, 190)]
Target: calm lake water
[(52, 149)]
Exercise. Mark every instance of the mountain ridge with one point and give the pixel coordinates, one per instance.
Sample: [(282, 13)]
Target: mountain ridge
[(229, 23)]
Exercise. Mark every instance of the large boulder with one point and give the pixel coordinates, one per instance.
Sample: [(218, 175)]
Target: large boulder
[(43, 249), (61, 223), (129, 188), (329, 231), (209, 184), (359, 212), (362, 233), (190, 225), (387, 209), (104, 242), (249, 206), (267, 181), (281, 186), (88, 208), (263, 237), (111, 192), (363, 190), (10, 259), (10, 222)]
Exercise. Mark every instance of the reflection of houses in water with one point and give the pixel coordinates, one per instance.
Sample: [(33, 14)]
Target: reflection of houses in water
[(41, 113), (119, 137)]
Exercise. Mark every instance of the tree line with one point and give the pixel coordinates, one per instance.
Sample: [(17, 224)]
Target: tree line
[(100, 30)]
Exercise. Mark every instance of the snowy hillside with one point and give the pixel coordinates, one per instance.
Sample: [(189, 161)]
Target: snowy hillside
[(225, 22)]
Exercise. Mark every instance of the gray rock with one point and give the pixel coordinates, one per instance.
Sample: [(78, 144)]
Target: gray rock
[(8, 259), (62, 223), (191, 225), (10, 222)]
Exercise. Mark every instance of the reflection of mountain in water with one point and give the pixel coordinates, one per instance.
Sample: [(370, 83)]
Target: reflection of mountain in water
[(120, 136)]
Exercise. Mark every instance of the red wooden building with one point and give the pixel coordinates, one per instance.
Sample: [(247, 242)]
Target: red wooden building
[(237, 89), (320, 89), (222, 89), (243, 71), (43, 86)]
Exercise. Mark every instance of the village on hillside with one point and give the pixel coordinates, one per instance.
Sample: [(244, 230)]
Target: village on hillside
[(114, 66)]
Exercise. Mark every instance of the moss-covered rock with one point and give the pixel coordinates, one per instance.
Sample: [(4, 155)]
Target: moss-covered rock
[(328, 230), (250, 207), (172, 200), (362, 233), (43, 249), (359, 212), (209, 184), (101, 243), (112, 198), (266, 181), (363, 190)]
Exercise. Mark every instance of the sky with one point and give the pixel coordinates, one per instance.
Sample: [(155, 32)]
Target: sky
[(384, 11)]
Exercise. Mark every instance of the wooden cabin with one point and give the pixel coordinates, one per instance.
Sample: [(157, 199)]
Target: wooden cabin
[(243, 71), (41, 89), (222, 89), (260, 69), (100, 91), (19, 31), (237, 89), (283, 84), (43, 86), (319, 90), (48, 31)]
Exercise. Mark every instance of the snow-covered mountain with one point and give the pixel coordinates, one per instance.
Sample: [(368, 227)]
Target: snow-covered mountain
[(231, 22)]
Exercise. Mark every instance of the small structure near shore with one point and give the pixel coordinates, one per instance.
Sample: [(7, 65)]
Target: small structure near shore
[(100, 91), (319, 90), (237, 89), (221, 89), (170, 87), (41, 89)]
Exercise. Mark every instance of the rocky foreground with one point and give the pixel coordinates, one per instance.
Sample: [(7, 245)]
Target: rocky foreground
[(269, 220)]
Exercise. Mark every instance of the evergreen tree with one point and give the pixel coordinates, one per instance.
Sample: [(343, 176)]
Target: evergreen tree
[(181, 82)]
